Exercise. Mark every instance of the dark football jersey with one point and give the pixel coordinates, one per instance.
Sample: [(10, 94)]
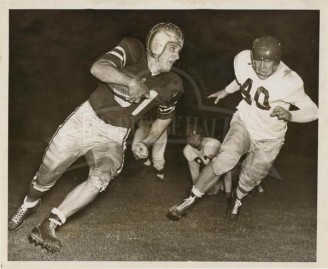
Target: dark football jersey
[(165, 89)]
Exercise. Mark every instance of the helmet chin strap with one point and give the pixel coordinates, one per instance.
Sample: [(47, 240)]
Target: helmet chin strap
[(158, 66), (153, 64)]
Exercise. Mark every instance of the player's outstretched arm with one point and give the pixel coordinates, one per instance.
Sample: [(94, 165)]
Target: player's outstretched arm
[(231, 88), (218, 95)]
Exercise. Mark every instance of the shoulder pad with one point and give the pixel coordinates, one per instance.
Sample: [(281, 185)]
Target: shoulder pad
[(242, 65)]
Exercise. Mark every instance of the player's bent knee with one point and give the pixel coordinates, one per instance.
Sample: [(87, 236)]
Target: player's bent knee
[(104, 173), (38, 185), (99, 182), (41, 187), (223, 163)]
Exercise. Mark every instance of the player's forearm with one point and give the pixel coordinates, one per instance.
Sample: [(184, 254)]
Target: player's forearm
[(307, 109), (232, 87), (157, 129), (107, 73), (305, 114)]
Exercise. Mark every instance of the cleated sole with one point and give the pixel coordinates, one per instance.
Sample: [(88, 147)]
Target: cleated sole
[(38, 241), (172, 216), (232, 217)]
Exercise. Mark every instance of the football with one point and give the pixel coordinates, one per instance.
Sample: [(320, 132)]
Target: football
[(120, 90)]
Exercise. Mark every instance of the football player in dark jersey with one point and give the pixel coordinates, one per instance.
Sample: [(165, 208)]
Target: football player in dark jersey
[(133, 79)]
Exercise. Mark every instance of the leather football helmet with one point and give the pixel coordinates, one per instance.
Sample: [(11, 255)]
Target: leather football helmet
[(194, 129), (160, 35), (267, 48)]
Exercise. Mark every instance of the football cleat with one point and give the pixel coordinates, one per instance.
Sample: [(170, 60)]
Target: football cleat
[(160, 174), (235, 207), (44, 235), (260, 189), (17, 220), (178, 211)]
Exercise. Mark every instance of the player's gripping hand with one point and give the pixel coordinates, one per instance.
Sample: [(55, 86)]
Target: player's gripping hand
[(281, 113), (137, 90), (140, 150), (218, 95)]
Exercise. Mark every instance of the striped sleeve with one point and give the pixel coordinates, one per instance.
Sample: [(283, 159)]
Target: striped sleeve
[(128, 51), (166, 109)]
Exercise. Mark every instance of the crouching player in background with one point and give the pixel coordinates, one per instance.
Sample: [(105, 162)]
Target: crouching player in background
[(199, 151)]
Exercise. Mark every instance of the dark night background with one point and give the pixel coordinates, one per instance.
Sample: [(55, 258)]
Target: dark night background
[(51, 53)]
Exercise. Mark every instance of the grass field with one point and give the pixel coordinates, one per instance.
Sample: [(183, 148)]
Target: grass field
[(127, 222)]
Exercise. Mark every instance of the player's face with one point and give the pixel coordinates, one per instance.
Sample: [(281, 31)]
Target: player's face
[(264, 68), (168, 57), (195, 141)]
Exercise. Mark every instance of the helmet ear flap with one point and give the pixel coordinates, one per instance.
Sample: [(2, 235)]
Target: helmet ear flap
[(160, 35)]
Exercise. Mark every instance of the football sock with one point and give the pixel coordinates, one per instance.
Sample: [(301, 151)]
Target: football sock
[(160, 173), (240, 193), (147, 162), (196, 192), (60, 216), (30, 204)]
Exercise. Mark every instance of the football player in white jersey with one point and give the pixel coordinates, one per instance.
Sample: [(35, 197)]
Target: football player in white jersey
[(269, 87), (199, 152)]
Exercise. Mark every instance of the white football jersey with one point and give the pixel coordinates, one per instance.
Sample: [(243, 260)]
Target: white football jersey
[(210, 148), (260, 97)]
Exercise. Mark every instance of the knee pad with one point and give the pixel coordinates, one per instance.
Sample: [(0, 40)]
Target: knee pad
[(102, 175), (224, 163), (41, 187), (99, 181), (248, 182)]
